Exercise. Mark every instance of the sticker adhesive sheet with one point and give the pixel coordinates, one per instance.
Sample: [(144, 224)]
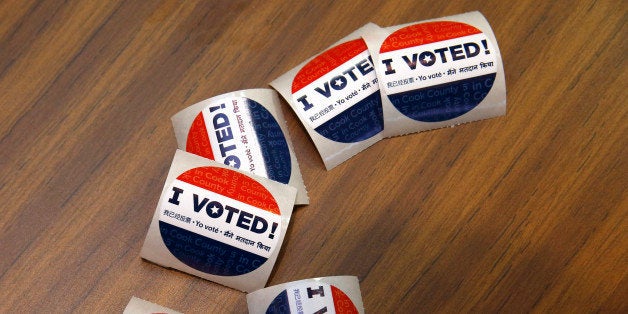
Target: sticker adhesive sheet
[(438, 73)]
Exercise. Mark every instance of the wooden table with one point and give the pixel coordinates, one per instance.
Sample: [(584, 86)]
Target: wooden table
[(525, 212)]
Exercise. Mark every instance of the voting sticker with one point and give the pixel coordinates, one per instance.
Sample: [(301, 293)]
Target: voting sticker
[(312, 297), (245, 130), (335, 294), (219, 221), (437, 71), (241, 133), (337, 94)]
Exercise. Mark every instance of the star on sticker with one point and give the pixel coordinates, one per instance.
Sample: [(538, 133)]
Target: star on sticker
[(426, 59), (337, 82), (214, 209), (231, 163)]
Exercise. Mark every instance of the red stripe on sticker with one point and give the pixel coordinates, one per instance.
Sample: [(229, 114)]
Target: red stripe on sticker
[(426, 33), (198, 140), (342, 303), (326, 62), (232, 184)]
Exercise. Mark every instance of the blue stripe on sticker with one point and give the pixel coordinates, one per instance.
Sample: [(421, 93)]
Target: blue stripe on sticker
[(280, 304), (272, 142), (358, 123), (206, 254), (445, 101)]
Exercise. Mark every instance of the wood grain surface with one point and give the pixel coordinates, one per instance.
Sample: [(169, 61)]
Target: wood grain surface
[(523, 213)]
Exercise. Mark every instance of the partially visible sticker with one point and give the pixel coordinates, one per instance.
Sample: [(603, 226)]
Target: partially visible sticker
[(437, 71), (337, 94), (219, 221), (137, 306), (311, 297), (241, 133)]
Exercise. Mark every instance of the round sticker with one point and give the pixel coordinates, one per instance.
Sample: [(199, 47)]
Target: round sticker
[(219, 221), (437, 71), (312, 297), (337, 94), (241, 133)]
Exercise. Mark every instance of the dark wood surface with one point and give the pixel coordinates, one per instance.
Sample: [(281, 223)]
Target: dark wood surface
[(525, 212)]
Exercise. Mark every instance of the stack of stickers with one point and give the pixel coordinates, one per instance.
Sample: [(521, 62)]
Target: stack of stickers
[(233, 183), (230, 191), (384, 82)]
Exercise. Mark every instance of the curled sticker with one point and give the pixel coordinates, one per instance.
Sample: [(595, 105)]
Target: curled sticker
[(337, 93), (241, 133), (245, 130)]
